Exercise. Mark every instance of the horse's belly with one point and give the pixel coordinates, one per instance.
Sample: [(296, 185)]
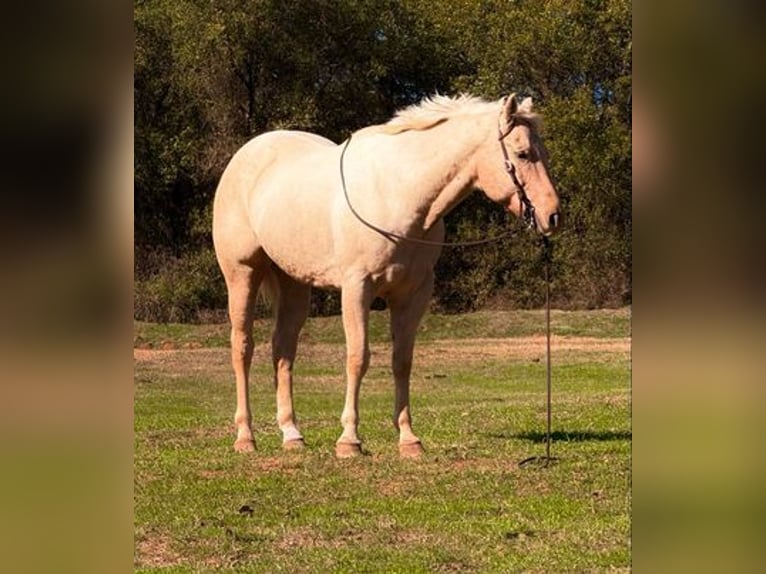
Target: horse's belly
[(299, 249), (312, 273)]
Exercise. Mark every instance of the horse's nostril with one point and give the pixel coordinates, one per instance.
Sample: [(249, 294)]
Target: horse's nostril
[(553, 220)]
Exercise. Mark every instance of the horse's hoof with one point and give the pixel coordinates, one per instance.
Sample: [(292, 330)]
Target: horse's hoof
[(347, 449), (411, 450), (244, 445), (294, 444)]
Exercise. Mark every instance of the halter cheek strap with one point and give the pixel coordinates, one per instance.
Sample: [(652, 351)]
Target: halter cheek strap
[(528, 210)]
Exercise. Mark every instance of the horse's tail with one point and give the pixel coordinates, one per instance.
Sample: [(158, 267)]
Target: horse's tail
[(269, 289)]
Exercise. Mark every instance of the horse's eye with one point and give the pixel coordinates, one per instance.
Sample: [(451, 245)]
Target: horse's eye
[(523, 155)]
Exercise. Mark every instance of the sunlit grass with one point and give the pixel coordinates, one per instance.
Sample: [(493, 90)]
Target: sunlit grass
[(466, 506)]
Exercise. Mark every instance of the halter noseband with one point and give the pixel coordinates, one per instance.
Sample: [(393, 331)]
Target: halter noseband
[(528, 210)]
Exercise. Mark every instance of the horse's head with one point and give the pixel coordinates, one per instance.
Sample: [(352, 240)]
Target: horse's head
[(511, 167)]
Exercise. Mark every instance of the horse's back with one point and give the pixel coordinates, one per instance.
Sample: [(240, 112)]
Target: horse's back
[(254, 160)]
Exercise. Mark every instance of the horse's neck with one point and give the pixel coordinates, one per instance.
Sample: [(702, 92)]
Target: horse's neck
[(442, 170), (456, 189)]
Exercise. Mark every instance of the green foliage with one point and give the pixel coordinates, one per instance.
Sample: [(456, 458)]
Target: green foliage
[(181, 290), (211, 75)]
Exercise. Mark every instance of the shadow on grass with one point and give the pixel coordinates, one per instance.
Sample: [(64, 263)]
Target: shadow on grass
[(568, 436)]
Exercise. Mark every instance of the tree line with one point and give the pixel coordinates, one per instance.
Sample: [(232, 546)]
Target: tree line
[(211, 74)]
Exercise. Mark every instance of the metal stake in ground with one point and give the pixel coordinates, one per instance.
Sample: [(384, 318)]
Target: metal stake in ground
[(547, 459)]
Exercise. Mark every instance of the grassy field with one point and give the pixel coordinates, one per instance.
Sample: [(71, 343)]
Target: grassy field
[(465, 506)]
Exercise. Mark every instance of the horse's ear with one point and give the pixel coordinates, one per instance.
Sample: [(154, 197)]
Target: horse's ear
[(510, 107), (526, 106)]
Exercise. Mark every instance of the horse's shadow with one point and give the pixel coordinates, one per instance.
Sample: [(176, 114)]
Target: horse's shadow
[(567, 436)]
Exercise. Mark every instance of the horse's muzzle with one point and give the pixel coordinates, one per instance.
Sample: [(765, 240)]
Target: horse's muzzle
[(554, 220)]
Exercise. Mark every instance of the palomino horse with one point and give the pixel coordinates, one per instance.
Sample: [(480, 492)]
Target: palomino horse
[(285, 215)]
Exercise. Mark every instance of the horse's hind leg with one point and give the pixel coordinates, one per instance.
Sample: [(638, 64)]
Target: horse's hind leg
[(406, 312), (242, 282), (292, 307)]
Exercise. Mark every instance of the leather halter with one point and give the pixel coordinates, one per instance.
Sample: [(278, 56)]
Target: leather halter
[(527, 209)]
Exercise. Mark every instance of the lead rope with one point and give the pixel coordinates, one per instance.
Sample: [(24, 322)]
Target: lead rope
[(547, 459), (529, 218)]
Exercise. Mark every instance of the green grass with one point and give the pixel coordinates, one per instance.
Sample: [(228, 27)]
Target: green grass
[(485, 324), (466, 506)]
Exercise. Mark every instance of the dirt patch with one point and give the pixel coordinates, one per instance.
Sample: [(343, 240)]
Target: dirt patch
[(154, 550), (467, 350), (449, 351), (305, 537), (169, 354), (145, 354), (393, 488)]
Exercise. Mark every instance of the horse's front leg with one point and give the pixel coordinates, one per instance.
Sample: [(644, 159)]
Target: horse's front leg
[(355, 302), (406, 313)]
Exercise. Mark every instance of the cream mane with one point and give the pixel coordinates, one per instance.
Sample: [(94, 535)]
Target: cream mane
[(436, 109)]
